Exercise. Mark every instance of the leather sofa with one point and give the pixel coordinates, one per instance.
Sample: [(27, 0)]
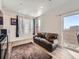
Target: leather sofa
[(49, 41)]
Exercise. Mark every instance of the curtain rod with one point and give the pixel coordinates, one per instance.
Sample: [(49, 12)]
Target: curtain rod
[(68, 12)]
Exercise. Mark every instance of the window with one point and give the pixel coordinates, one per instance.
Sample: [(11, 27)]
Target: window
[(70, 21), (25, 26), (71, 31), (36, 25)]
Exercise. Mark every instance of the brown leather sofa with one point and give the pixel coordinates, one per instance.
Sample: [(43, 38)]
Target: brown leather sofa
[(46, 40)]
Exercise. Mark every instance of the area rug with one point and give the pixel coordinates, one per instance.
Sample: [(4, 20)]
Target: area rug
[(28, 51)]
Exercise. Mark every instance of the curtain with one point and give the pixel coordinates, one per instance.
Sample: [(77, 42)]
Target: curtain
[(33, 26), (17, 32), (36, 26)]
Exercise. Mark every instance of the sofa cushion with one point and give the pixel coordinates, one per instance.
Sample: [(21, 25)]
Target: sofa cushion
[(51, 37), (42, 35)]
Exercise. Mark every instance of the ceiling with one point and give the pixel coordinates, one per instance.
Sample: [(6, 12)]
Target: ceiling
[(32, 7)]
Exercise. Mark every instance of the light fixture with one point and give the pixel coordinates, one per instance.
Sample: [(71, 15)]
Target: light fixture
[(50, 0), (41, 7)]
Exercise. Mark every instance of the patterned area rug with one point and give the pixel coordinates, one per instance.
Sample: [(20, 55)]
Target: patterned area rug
[(28, 51)]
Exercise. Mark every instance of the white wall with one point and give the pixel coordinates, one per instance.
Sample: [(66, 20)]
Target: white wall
[(8, 14), (52, 21), (0, 4)]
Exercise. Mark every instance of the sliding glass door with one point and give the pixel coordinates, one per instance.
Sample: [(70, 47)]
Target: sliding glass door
[(71, 32)]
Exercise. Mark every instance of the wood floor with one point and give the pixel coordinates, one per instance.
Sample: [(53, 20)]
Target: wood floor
[(59, 53)]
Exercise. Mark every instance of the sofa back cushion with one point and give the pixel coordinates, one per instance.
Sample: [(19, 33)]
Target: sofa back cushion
[(51, 36), (42, 35), (48, 36)]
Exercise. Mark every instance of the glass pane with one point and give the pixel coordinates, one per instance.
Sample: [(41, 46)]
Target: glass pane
[(71, 31), (70, 21)]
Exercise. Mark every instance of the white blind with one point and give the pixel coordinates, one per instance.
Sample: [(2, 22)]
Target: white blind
[(25, 26)]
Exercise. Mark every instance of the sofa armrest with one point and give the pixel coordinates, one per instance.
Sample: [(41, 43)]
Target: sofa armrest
[(44, 43)]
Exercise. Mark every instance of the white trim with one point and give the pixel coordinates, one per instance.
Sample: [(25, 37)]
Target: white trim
[(70, 13), (62, 22), (62, 43)]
